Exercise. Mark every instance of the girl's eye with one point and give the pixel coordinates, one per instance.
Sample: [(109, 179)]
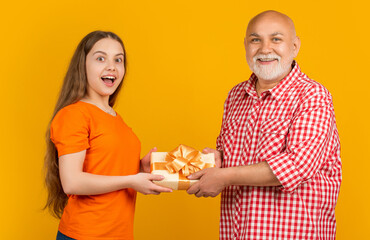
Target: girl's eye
[(100, 59), (119, 60)]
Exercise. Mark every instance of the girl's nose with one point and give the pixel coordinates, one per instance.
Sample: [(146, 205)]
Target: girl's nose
[(110, 66)]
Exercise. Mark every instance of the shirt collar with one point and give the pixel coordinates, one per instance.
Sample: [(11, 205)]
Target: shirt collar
[(278, 91)]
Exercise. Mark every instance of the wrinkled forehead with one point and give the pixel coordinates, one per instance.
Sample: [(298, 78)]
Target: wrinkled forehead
[(271, 23)]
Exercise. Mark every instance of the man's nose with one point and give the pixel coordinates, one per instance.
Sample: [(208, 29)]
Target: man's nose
[(266, 47)]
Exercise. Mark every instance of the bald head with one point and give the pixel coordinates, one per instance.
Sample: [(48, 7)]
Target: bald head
[(273, 18)]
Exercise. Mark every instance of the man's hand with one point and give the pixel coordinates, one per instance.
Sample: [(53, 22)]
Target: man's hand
[(145, 161), (218, 155), (211, 182)]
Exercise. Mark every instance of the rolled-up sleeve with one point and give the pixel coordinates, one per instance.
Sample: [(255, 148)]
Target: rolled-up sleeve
[(306, 142)]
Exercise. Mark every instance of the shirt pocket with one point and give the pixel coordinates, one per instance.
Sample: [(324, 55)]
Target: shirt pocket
[(272, 138), (228, 132), (230, 126)]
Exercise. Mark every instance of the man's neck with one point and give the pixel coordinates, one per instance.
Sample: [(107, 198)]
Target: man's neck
[(264, 85)]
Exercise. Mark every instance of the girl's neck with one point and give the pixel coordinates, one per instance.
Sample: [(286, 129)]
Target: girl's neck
[(100, 101), (103, 105)]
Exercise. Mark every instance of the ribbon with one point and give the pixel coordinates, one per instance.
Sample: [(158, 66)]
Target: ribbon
[(183, 160)]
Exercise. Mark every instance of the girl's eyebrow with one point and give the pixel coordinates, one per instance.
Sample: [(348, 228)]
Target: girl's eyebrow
[(101, 52)]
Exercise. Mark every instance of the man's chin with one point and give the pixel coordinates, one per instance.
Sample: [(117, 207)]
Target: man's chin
[(269, 73), (266, 75), (267, 78)]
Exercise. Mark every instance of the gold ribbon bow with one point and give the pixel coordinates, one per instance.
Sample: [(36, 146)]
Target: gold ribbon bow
[(185, 160)]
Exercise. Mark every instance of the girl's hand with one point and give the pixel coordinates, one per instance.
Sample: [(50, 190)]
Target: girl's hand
[(145, 161), (142, 182)]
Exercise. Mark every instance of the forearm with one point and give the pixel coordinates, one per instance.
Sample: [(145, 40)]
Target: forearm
[(259, 174), (84, 183), (77, 182)]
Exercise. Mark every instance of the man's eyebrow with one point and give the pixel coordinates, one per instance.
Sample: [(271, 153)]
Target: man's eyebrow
[(277, 33), (273, 34), (254, 35)]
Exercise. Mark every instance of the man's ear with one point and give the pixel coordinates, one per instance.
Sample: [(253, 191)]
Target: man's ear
[(296, 45)]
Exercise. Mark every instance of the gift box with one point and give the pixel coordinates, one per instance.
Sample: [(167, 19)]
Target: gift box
[(176, 165)]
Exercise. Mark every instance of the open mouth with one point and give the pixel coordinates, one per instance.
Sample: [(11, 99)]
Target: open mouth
[(267, 59), (108, 80)]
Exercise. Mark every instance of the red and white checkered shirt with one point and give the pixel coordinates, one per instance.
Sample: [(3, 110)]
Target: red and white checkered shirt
[(291, 127)]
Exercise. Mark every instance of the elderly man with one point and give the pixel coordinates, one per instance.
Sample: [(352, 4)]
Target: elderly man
[(279, 145)]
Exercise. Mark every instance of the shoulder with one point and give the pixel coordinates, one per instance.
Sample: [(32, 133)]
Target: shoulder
[(311, 89), (72, 112), (238, 90), (70, 129)]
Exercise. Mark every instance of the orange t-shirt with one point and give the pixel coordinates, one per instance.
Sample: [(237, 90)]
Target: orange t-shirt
[(111, 149)]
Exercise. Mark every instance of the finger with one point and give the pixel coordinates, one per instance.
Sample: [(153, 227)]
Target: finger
[(149, 154), (145, 169), (197, 175), (155, 177), (160, 189), (207, 150), (218, 162), (154, 192), (193, 189), (199, 194)]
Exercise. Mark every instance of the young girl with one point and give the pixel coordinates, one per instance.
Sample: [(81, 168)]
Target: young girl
[(93, 157)]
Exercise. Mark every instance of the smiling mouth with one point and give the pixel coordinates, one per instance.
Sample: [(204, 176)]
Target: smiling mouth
[(266, 59), (108, 79)]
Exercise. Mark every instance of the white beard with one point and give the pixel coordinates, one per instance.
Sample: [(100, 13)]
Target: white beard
[(268, 72)]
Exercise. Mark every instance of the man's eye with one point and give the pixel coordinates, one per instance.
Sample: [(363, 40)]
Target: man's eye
[(100, 59), (255, 40), (276, 39)]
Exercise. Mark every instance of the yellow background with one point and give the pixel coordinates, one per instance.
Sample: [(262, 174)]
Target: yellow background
[(183, 58)]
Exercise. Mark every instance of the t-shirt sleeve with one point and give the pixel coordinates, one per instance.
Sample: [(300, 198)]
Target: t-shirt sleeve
[(69, 131)]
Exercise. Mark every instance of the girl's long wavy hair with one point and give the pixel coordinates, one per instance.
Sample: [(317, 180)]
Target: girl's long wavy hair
[(74, 88)]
